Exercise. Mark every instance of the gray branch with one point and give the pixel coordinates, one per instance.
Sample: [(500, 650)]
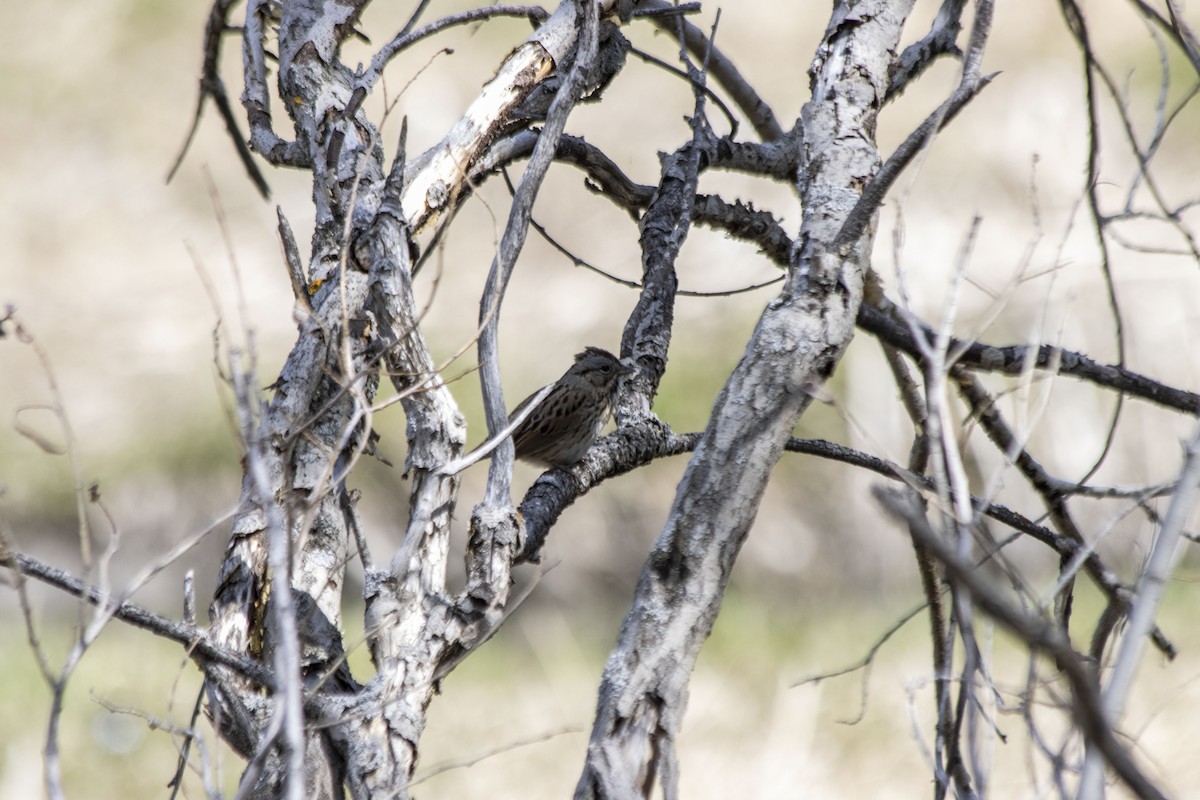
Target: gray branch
[(798, 341)]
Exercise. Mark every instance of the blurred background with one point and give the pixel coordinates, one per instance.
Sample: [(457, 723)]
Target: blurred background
[(107, 266)]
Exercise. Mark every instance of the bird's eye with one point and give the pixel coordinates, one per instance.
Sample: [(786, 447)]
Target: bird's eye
[(606, 369)]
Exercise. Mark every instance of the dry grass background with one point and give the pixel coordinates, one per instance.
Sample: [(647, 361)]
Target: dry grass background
[(97, 253)]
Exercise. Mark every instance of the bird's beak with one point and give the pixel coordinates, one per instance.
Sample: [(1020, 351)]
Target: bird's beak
[(628, 367)]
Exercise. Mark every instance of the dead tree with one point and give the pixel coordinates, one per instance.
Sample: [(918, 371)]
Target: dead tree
[(278, 687)]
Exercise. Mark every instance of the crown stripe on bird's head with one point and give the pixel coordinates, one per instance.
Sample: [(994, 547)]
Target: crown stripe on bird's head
[(599, 352)]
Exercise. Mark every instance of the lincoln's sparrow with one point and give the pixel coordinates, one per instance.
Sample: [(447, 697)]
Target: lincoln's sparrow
[(566, 422)]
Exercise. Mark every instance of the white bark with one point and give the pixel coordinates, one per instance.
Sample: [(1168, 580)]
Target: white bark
[(314, 426)]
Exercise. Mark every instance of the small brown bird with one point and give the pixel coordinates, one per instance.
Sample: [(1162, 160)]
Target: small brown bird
[(564, 425)]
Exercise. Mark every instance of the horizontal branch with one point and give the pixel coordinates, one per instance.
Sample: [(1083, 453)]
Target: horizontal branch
[(624, 450), (630, 447), (761, 228), (739, 220), (189, 636), (1014, 359)]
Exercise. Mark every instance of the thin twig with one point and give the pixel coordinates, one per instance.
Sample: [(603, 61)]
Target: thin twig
[(1040, 634)]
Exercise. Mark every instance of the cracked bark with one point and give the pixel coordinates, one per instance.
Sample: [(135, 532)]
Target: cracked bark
[(795, 346), (315, 426)]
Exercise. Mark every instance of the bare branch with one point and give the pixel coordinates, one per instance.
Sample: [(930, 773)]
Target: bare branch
[(1011, 360), (212, 86), (256, 99), (186, 635), (498, 494), (970, 86), (797, 343), (1148, 598), (408, 37), (286, 664), (941, 40), (1041, 634), (435, 180), (738, 219), (722, 70)]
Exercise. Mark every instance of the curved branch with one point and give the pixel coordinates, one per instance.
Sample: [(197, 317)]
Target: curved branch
[(971, 84), (721, 69), (407, 38), (622, 451), (1078, 28), (671, 69), (212, 86), (633, 446), (1175, 28), (498, 493), (257, 100), (941, 40), (872, 196), (605, 177)]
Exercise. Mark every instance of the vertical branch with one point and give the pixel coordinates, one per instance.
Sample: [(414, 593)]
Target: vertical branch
[(955, 504), (89, 624), (212, 86), (500, 471), (945, 747), (405, 615), (1040, 634), (798, 341), (286, 655), (664, 228), (1077, 24), (256, 98), (1150, 589)]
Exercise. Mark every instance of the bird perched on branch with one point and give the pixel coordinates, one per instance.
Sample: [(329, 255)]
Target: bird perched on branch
[(564, 425)]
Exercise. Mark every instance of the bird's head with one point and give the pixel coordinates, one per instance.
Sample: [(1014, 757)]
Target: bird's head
[(600, 367)]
